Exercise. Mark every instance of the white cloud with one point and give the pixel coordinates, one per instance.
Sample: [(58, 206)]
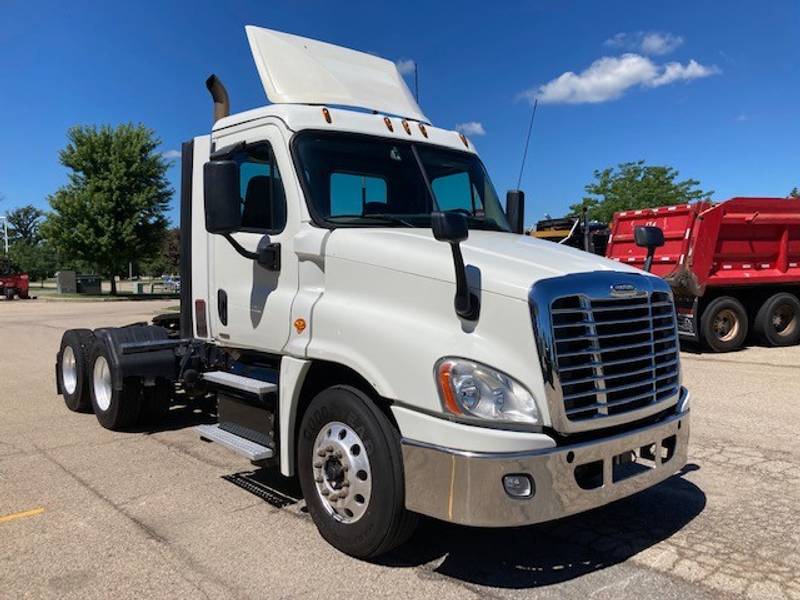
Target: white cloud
[(675, 71), (471, 128), (406, 66), (654, 43), (609, 77), (170, 154)]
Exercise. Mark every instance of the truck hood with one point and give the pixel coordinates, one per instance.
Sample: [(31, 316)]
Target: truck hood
[(506, 264)]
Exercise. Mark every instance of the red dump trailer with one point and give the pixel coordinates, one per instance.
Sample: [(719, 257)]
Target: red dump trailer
[(734, 267)]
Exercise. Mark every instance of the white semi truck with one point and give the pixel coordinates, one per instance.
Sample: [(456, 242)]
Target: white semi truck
[(366, 316)]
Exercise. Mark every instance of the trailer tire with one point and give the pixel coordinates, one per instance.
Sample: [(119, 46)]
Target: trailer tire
[(156, 400), (366, 463), (72, 369), (777, 322), (115, 409), (724, 324), (9, 292)]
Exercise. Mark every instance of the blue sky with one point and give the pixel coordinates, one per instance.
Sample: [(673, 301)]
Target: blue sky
[(710, 88)]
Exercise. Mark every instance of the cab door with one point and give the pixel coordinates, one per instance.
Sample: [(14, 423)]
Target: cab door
[(250, 304)]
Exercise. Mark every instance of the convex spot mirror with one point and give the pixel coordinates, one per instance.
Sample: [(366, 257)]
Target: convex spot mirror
[(449, 227), (222, 198)]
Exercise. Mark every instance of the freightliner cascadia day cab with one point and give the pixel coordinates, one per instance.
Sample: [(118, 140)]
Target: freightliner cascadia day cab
[(363, 314)]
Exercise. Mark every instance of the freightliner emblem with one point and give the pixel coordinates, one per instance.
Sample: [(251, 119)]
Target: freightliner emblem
[(625, 290)]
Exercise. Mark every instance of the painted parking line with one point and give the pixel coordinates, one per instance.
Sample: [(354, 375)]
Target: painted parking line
[(22, 515)]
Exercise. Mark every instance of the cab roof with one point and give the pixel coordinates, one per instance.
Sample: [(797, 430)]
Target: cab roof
[(298, 117)]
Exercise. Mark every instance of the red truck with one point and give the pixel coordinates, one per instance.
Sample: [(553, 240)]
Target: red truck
[(734, 267), (14, 285)]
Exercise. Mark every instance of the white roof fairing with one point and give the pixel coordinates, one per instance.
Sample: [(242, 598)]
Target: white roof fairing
[(298, 70)]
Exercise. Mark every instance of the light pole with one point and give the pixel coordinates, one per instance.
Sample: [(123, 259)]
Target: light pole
[(5, 234)]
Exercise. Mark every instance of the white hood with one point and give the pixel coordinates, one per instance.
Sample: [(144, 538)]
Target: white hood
[(507, 264)]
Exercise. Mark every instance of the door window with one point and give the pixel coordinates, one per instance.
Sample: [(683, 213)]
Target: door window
[(261, 191)]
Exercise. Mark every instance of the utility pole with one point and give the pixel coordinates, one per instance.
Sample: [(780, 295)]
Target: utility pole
[(5, 234)]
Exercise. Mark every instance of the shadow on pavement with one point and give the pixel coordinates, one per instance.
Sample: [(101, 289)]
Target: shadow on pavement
[(533, 556), (541, 555)]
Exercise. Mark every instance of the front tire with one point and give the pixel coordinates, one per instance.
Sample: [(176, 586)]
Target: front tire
[(115, 409), (351, 473), (778, 320), (724, 324)]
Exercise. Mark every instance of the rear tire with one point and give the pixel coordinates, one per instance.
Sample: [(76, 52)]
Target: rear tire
[(777, 322), (9, 293), (115, 409), (724, 324), (72, 369), (346, 444)]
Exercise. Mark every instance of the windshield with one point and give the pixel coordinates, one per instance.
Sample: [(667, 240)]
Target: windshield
[(361, 181)]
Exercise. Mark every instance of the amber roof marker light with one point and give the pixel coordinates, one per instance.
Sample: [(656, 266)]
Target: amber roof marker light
[(389, 125), (407, 127), (327, 114), (423, 130)]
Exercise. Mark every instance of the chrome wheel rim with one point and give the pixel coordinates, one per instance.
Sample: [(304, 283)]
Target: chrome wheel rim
[(342, 472), (101, 381), (69, 370)]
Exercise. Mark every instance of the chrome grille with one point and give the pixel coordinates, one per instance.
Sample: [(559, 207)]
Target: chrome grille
[(614, 355)]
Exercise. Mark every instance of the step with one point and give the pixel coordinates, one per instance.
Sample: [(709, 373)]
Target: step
[(239, 445), (248, 385)]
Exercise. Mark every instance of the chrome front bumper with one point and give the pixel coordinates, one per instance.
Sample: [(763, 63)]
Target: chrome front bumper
[(467, 487)]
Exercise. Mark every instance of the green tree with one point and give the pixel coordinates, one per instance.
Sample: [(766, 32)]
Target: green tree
[(168, 258), (795, 193), (634, 185), (23, 224), (37, 259), (112, 210)]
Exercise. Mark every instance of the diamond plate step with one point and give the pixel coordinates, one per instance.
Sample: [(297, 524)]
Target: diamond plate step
[(239, 445)]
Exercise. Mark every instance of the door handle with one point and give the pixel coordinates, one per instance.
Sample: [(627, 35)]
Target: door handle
[(222, 306)]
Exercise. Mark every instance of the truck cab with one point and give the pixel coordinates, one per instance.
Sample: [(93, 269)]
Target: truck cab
[(368, 316)]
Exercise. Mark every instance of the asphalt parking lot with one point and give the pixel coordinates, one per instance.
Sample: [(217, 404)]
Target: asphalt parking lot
[(89, 513)]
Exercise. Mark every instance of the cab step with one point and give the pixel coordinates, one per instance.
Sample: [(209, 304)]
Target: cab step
[(239, 445), (231, 381)]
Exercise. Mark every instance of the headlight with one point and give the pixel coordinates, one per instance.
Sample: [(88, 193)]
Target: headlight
[(470, 389)]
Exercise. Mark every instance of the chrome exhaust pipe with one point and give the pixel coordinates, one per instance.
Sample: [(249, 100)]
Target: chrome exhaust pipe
[(222, 105)]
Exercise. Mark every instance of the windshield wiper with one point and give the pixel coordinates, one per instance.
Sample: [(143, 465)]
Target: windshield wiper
[(374, 217)]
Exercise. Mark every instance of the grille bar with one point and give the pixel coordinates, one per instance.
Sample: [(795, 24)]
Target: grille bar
[(614, 355), (613, 403)]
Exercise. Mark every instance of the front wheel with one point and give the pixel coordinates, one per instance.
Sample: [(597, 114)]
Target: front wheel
[(351, 473)]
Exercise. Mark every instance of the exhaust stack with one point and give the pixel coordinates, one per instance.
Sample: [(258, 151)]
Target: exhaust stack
[(222, 105)]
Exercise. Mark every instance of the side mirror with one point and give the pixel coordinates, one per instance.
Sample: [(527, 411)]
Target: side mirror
[(452, 228), (651, 238), (515, 210), (222, 200)]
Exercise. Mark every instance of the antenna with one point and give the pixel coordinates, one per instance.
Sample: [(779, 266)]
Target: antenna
[(527, 141), (416, 82)]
